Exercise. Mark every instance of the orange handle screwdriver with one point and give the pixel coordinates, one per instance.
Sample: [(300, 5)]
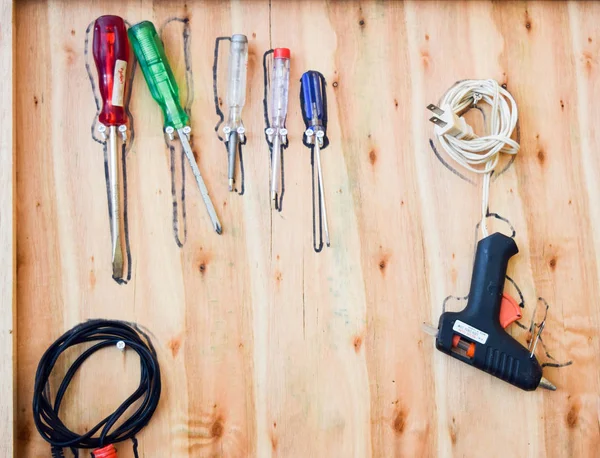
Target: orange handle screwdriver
[(111, 54)]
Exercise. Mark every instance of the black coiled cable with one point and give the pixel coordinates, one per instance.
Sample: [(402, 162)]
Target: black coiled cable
[(102, 333)]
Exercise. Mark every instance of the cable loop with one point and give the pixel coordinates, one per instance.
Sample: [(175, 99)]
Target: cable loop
[(480, 154), (142, 402)]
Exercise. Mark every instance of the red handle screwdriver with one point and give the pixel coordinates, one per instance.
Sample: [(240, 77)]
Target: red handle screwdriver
[(111, 54)]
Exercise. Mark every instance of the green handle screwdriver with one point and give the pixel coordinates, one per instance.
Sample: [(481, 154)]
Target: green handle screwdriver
[(150, 53)]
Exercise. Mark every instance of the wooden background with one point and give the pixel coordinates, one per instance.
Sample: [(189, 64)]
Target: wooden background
[(267, 348)]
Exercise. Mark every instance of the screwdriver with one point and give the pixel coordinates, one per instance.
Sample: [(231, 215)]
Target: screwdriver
[(277, 133), (111, 55), (312, 93), (236, 98), (149, 50)]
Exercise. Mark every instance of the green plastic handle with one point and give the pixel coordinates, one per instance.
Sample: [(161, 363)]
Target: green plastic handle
[(150, 53)]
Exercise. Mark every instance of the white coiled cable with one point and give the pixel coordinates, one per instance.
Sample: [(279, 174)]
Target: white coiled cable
[(478, 154)]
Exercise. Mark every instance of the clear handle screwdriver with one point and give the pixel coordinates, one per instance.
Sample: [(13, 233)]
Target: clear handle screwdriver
[(312, 93), (277, 133), (236, 98)]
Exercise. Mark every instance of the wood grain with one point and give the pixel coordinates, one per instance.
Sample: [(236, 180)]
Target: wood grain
[(267, 348), (7, 233)]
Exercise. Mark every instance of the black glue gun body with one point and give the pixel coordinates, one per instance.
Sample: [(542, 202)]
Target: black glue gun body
[(475, 335)]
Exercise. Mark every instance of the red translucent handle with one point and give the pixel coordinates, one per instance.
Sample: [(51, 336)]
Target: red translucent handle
[(106, 452), (111, 54)]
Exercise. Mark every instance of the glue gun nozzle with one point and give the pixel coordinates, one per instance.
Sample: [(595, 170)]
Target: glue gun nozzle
[(546, 384)]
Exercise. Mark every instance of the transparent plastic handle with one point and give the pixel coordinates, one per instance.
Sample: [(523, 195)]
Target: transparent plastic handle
[(238, 62), (280, 80)]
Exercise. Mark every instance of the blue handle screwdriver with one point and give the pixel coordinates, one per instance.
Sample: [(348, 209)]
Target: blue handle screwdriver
[(312, 93)]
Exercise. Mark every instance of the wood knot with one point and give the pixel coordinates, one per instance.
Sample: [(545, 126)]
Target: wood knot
[(335, 84), (273, 442), (357, 343), (202, 268), (372, 157), (174, 345), (361, 23), (552, 263), (528, 25), (453, 429), (92, 279), (427, 37), (562, 105), (573, 416), (541, 156), (399, 422), (217, 429), (382, 264)]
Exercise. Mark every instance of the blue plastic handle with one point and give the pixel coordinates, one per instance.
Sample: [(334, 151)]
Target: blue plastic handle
[(313, 98)]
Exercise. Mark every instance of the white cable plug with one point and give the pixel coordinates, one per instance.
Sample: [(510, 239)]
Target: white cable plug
[(478, 154)]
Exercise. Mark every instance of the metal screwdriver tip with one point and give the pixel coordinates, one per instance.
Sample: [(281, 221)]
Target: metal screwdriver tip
[(118, 267), (230, 184), (546, 384)]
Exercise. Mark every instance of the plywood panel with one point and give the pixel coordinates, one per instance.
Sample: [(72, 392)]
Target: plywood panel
[(268, 348)]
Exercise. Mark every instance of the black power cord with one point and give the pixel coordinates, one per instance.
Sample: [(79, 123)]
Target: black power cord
[(102, 334)]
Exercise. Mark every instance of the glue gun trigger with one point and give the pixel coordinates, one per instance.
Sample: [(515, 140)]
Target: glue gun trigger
[(510, 311)]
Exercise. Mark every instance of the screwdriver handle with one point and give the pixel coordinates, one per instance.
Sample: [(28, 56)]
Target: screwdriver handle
[(111, 54), (238, 65), (312, 94), (280, 81), (149, 50)]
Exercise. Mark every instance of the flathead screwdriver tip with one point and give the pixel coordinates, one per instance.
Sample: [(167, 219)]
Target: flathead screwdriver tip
[(230, 184), (546, 384), (117, 269), (218, 228)]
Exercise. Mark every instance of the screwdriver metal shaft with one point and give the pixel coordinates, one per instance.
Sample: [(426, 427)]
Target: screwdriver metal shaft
[(183, 137), (117, 248), (274, 164), (322, 190), (232, 146)]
